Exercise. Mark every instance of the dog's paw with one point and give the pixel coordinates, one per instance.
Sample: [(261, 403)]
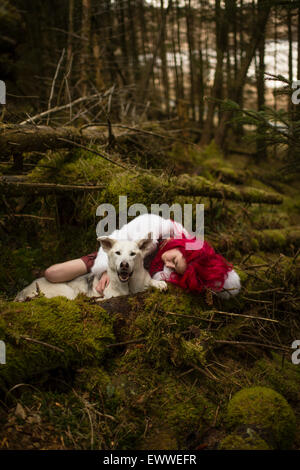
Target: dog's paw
[(161, 285)]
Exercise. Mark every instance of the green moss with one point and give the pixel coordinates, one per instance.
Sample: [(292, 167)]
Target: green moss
[(192, 351), (60, 333), (182, 156), (176, 410), (267, 411), (161, 320), (159, 438), (77, 166), (273, 238), (243, 275), (212, 151), (237, 442), (93, 378), (282, 376)]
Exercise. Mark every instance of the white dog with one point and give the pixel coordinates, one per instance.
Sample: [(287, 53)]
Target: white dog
[(126, 273), (125, 270), (80, 285)]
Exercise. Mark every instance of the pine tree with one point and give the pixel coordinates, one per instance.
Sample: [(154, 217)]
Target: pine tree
[(273, 127)]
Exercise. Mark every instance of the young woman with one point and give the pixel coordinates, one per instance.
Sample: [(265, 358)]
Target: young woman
[(175, 257)]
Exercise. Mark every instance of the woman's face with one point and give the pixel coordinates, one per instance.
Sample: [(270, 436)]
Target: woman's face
[(174, 259)]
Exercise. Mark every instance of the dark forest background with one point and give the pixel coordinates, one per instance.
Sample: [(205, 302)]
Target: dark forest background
[(148, 60)]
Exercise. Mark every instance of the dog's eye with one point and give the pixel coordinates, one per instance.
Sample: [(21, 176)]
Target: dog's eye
[(132, 254), (117, 252)]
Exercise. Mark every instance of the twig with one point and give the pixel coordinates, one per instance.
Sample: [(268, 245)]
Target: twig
[(240, 315), (123, 343), (44, 187), (54, 80), (86, 406), (206, 372), (30, 216), (250, 343), (143, 131), (253, 266), (191, 316), (92, 151), (59, 108), (267, 291), (31, 340)]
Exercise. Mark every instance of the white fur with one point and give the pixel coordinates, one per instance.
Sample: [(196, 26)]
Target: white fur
[(231, 287), (80, 285), (132, 253)]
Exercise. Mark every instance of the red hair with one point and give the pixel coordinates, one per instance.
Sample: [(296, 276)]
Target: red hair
[(205, 268)]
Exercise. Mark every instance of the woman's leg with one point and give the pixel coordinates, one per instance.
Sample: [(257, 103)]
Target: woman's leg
[(66, 271)]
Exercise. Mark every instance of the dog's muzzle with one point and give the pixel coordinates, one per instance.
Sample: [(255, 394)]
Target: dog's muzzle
[(124, 273)]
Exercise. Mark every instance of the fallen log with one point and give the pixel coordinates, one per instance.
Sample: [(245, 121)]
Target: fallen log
[(168, 189), (199, 186), (267, 240), (44, 334), (15, 140), (15, 186)]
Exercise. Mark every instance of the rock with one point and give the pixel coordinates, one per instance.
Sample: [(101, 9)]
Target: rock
[(248, 440), (20, 412), (265, 410)]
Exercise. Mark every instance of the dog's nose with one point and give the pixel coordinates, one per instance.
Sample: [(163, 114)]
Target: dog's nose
[(124, 264)]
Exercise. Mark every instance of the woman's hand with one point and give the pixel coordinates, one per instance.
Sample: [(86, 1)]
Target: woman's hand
[(104, 281)]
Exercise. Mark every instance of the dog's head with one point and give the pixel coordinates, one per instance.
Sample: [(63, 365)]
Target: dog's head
[(124, 256)]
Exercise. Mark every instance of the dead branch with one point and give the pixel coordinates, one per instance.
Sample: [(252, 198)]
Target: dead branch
[(56, 109), (31, 340), (19, 186)]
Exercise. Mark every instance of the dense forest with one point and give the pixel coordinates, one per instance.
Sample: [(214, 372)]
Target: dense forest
[(164, 102)]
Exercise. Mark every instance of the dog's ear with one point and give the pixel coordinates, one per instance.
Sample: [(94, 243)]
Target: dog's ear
[(145, 243), (106, 243)]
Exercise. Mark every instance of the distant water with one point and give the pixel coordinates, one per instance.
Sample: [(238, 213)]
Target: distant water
[(276, 60)]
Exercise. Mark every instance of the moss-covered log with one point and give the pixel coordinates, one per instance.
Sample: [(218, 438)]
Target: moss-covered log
[(45, 334), (198, 186), (268, 240), (152, 188), (18, 139)]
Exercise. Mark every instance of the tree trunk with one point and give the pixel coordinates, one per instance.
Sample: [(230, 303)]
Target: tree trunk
[(258, 29), (164, 62), (297, 110), (200, 77), (85, 45), (221, 41), (191, 46), (70, 33), (134, 52), (97, 61), (261, 149), (145, 83), (182, 90)]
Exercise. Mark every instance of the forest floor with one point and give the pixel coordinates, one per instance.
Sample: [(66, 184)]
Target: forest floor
[(158, 370)]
